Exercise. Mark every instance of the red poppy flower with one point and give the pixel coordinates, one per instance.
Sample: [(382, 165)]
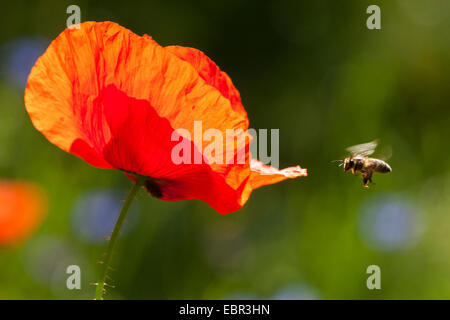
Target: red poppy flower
[(21, 211), (115, 99)]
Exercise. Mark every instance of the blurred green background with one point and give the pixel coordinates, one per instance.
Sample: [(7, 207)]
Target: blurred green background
[(311, 69)]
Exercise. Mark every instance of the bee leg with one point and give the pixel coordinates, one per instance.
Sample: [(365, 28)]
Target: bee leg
[(367, 177), (365, 181)]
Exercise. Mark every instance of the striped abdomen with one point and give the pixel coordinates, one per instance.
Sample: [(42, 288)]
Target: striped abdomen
[(379, 165)]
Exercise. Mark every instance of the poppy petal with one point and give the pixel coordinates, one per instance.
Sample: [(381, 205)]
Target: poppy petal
[(211, 73), (80, 63), (264, 175)]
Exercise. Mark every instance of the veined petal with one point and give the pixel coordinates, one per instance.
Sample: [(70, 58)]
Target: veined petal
[(211, 73), (263, 175)]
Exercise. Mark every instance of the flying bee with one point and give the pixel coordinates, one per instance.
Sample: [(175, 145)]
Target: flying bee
[(359, 161)]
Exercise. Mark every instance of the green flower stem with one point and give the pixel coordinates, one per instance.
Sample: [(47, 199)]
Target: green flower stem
[(119, 223)]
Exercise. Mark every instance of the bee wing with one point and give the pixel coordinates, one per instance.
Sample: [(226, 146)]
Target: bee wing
[(386, 153), (364, 149)]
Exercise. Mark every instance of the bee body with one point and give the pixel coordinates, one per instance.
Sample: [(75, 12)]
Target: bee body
[(359, 162)]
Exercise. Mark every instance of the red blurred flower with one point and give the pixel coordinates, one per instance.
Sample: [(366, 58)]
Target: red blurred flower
[(22, 207), (114, 99)]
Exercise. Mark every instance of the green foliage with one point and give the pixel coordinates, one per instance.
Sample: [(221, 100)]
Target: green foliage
[(314, 71)]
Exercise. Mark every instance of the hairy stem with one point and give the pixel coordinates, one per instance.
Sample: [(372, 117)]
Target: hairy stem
[(115, 235)]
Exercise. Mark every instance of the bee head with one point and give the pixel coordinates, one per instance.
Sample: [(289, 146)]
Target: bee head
[(348, 163)]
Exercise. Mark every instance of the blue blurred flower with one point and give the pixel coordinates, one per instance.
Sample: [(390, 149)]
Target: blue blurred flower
[(389, 222), (96, 212), (18, 56)]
